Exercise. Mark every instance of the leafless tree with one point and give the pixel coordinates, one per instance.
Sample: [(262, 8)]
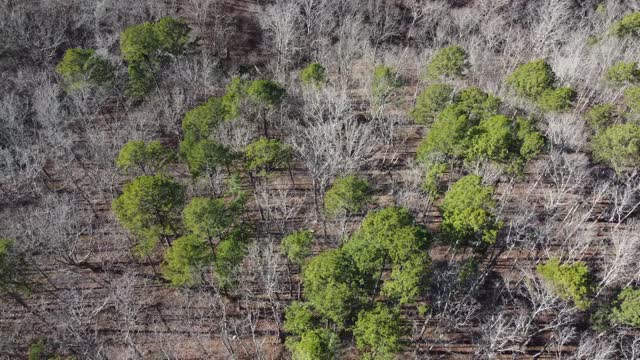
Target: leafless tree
[(21, 161), (567, 131), (58, 176), (280, 206), (562, 337), (213, 25), (621, 256), (569, 174), (629, 345), (453, 305), (264, 275), (60, 226), (624, 198), (543, 311), (228, 329), (237, 134), (331, 142), (37, 41), (408, 193), (317, 22), (192, 77), (282, 23), (504, 332), (128, 303), (74, 323), (351, 34), (430, 20), (553, 23), (55, 132), (595, 347), (384, 23), (113, 16)]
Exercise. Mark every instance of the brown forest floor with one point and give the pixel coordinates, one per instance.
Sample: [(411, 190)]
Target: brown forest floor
[(163, 322)]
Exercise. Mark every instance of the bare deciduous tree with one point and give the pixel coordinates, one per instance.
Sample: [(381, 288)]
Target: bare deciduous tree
[(214, 26), (62, 227), (621, 256), (282, 23), (504, 333), (331, 142), (595, 347)]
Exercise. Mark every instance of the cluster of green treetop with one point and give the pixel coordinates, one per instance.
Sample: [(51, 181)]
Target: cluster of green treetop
[(361, 287)]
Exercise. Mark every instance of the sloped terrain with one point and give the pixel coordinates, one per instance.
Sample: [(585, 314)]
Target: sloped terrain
[(91, 295)]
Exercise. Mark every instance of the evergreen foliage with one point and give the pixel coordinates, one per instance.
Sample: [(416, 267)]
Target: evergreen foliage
[(80, 67), (313, 75), (390, 236), (139, 43), (535, 81), (266, 92), (378, 333), (628, 26), (13, 267), (623, 72), (229, 254), (618, 146), (338, 283), (202, 154), (394, 229), (299, 318), (332, 286), (200, 122), (147, 157), (601, 116), (215, 237), (235, 93), (558, 99), (185, 260), (173, 35), (385, 82), (530, 140), (472, 129), (476, 104), (568, 281), (468, 214), (297, 246), (205, 157), (409, 278), (210, 218), (430, 102), (451, 61), (431, 184), (141, 78), (601, 319), (264, 96), (449, 134), (146, 46), (309, 341), (316, 344), (149, 207), (492, 139), (632, 99), (265, 155), (627, 309), (532, 79), (37, 350), (348, 195)]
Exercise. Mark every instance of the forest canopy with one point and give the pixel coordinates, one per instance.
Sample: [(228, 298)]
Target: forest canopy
[(319, 179)]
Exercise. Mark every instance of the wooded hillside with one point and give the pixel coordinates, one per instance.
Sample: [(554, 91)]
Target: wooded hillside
[(319, 179)]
